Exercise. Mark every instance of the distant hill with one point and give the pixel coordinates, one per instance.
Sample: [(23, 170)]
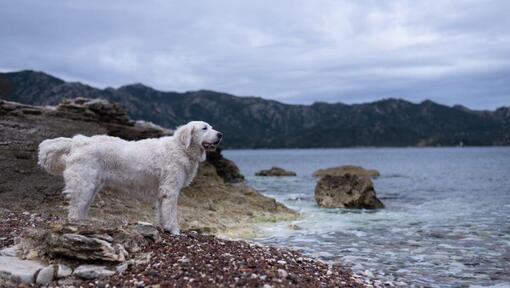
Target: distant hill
[(252, 122)]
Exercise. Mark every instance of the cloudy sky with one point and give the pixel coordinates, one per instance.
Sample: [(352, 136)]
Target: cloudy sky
[(289, 50)]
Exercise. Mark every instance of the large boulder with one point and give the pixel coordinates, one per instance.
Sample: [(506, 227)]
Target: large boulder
[(346, 169), (275, 171), (347, 191)]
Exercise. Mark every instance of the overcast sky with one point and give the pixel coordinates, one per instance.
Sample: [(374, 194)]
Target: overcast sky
[(292, 51)]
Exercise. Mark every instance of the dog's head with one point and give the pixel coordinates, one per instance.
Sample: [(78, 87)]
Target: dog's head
[(198, 133)]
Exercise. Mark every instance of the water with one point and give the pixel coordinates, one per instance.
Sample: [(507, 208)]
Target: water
[(446, 221)]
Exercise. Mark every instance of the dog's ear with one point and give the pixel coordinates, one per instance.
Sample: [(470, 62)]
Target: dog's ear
[(184, 134)]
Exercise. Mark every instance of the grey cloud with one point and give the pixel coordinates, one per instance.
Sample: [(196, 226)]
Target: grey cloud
[(292, 51)]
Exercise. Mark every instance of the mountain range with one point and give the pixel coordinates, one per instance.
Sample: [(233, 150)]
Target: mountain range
[(253, 122)]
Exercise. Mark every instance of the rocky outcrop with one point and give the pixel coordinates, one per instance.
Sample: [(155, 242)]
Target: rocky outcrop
[(211, 205), (213, 202), (347, 191), (225, 168), (275, 171), (346, 169)]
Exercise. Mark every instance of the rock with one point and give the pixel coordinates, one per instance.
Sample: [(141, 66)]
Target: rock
[(92, 271), (210, 205), (55, 243), (348, 191), (346, 169), (86, 248), (147, 230), (14, 270), (63, 271), (10, 251), (45, 276), (225, 168), (282, 273), (122, 268), (275, 171), (98, 109)]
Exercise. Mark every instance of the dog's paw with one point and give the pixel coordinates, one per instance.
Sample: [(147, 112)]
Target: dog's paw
[(173, 230)]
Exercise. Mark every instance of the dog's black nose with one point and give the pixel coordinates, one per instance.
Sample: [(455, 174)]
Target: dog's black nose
[(220, 135)]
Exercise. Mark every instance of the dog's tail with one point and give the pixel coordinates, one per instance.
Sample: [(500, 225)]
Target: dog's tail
[(52, 153)]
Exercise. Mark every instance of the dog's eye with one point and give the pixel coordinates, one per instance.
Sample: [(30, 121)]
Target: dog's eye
[(205, 128)]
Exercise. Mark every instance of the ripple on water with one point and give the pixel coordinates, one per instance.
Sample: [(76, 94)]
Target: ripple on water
[(446, 221)]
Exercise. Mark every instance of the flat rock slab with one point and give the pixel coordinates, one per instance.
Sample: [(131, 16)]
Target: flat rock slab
[(92, 271), (14, 270), (10, 251)]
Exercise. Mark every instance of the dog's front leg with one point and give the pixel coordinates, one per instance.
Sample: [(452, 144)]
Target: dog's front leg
[(168, 209)]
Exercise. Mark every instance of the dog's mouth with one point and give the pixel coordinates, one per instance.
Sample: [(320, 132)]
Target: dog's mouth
[(210, 146)]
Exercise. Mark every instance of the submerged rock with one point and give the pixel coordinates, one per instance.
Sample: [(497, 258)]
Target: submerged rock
[(346, 169), (348, 191), (275, 171)]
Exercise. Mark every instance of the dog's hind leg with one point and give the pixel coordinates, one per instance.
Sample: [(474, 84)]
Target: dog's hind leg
[(82, 184)]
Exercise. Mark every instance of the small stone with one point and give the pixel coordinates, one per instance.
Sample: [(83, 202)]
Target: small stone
[(92, 271), (282, 273), (147, 230), (282, 262), (122, 268), (45, 276), (10, 251), (63, 271)]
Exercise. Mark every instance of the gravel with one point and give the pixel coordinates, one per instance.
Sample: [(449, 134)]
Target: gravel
[(198, 260)]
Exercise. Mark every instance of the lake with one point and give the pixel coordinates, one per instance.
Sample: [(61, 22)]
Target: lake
[(446, 221)]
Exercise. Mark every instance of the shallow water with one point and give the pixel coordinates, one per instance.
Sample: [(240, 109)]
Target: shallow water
[(446, 221)]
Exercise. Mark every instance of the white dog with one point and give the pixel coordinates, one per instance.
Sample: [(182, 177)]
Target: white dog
[(156, 166)]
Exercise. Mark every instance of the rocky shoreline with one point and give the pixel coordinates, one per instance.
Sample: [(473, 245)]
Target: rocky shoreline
[(187, 260), (217, 202)]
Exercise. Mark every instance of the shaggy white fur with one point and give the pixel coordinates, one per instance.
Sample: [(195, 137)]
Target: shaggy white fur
[(160, 167)]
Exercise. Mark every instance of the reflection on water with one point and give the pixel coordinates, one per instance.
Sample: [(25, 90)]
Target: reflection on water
[(446, 221)]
